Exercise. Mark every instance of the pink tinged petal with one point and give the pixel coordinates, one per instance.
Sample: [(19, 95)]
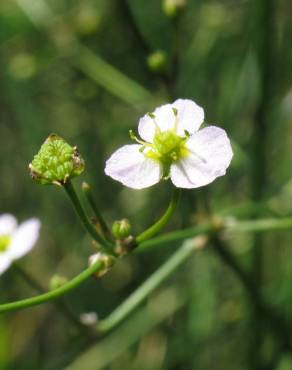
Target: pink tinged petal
[(190, 116), (5, 262), (132, 168), (7, 224), (210, 155), (24, 238), (163, 118)]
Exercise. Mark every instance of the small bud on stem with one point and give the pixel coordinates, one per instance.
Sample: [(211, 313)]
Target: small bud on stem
[(172, 7), (107, 261), (121, 229)]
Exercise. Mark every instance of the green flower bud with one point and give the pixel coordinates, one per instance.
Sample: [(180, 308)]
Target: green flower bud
[(157, 61), (57, 281), (121, 229), (56, 162), (172, 7), (107, 261)]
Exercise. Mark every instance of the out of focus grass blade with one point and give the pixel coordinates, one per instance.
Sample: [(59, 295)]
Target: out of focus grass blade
[(92, 65), (4, 345), (158, 309), (109, 77)]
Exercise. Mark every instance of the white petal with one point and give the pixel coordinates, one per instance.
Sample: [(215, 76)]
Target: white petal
[(164, 119), (5, 262), (132, 168), (24, 238), (211, 154), (190, 116), (7, 224)]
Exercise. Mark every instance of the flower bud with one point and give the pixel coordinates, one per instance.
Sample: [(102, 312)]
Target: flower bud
[(121, 229), (56, 162), (172, 7), (157, 61), (88, 318), (107, 261), (57, 281)]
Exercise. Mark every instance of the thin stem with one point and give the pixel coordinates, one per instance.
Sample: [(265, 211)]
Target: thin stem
[(261, 225), (173, 237), (131, 331), (155, 228), (129, 305), (101, 222), (263, 40), (281, 327), (54, 294), (81, 213), (204, 229), (61, 306)]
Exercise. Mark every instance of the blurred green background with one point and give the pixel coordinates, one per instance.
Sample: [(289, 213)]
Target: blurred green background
[(87, 70)]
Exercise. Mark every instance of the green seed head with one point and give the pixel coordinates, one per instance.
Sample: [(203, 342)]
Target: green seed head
[(56, 162)]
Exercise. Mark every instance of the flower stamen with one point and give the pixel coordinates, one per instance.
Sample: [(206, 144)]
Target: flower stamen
[(139, 141)]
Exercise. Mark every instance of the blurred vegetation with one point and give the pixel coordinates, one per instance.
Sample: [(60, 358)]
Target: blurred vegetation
[(87, 70)]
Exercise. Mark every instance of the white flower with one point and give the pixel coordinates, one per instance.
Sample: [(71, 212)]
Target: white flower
[(172, 146), (16, 241)]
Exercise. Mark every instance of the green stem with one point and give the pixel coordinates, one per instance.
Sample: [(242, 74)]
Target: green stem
[(261, 225), (279, 323), (101, 222), (204, 229), (60, 305), (105, 352), (155, 228), (54, 294), (174, 236), (86, 223), (120, 313)]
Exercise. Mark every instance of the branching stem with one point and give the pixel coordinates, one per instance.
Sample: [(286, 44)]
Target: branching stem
[(155, 228), (99, 218), (54, 294), (204, 229), (160, 275), (84, 219)]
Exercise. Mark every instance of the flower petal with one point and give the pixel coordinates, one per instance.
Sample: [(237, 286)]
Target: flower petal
[(210, 155), (132, 168), (7, 223), (163, 117), (190, 116), (5, 262), (24, 238)]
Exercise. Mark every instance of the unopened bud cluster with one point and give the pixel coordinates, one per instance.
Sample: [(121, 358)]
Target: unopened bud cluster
[(56, 162)]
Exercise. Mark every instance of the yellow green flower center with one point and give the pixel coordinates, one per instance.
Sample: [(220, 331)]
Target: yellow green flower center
[(167, 148), (5, 241)]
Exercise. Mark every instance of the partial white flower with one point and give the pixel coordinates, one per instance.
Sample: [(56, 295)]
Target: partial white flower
[(172, 146), (16, 241)]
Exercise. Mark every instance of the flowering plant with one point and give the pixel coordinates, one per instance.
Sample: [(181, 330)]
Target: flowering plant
[(172, 146), (16, 241)]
